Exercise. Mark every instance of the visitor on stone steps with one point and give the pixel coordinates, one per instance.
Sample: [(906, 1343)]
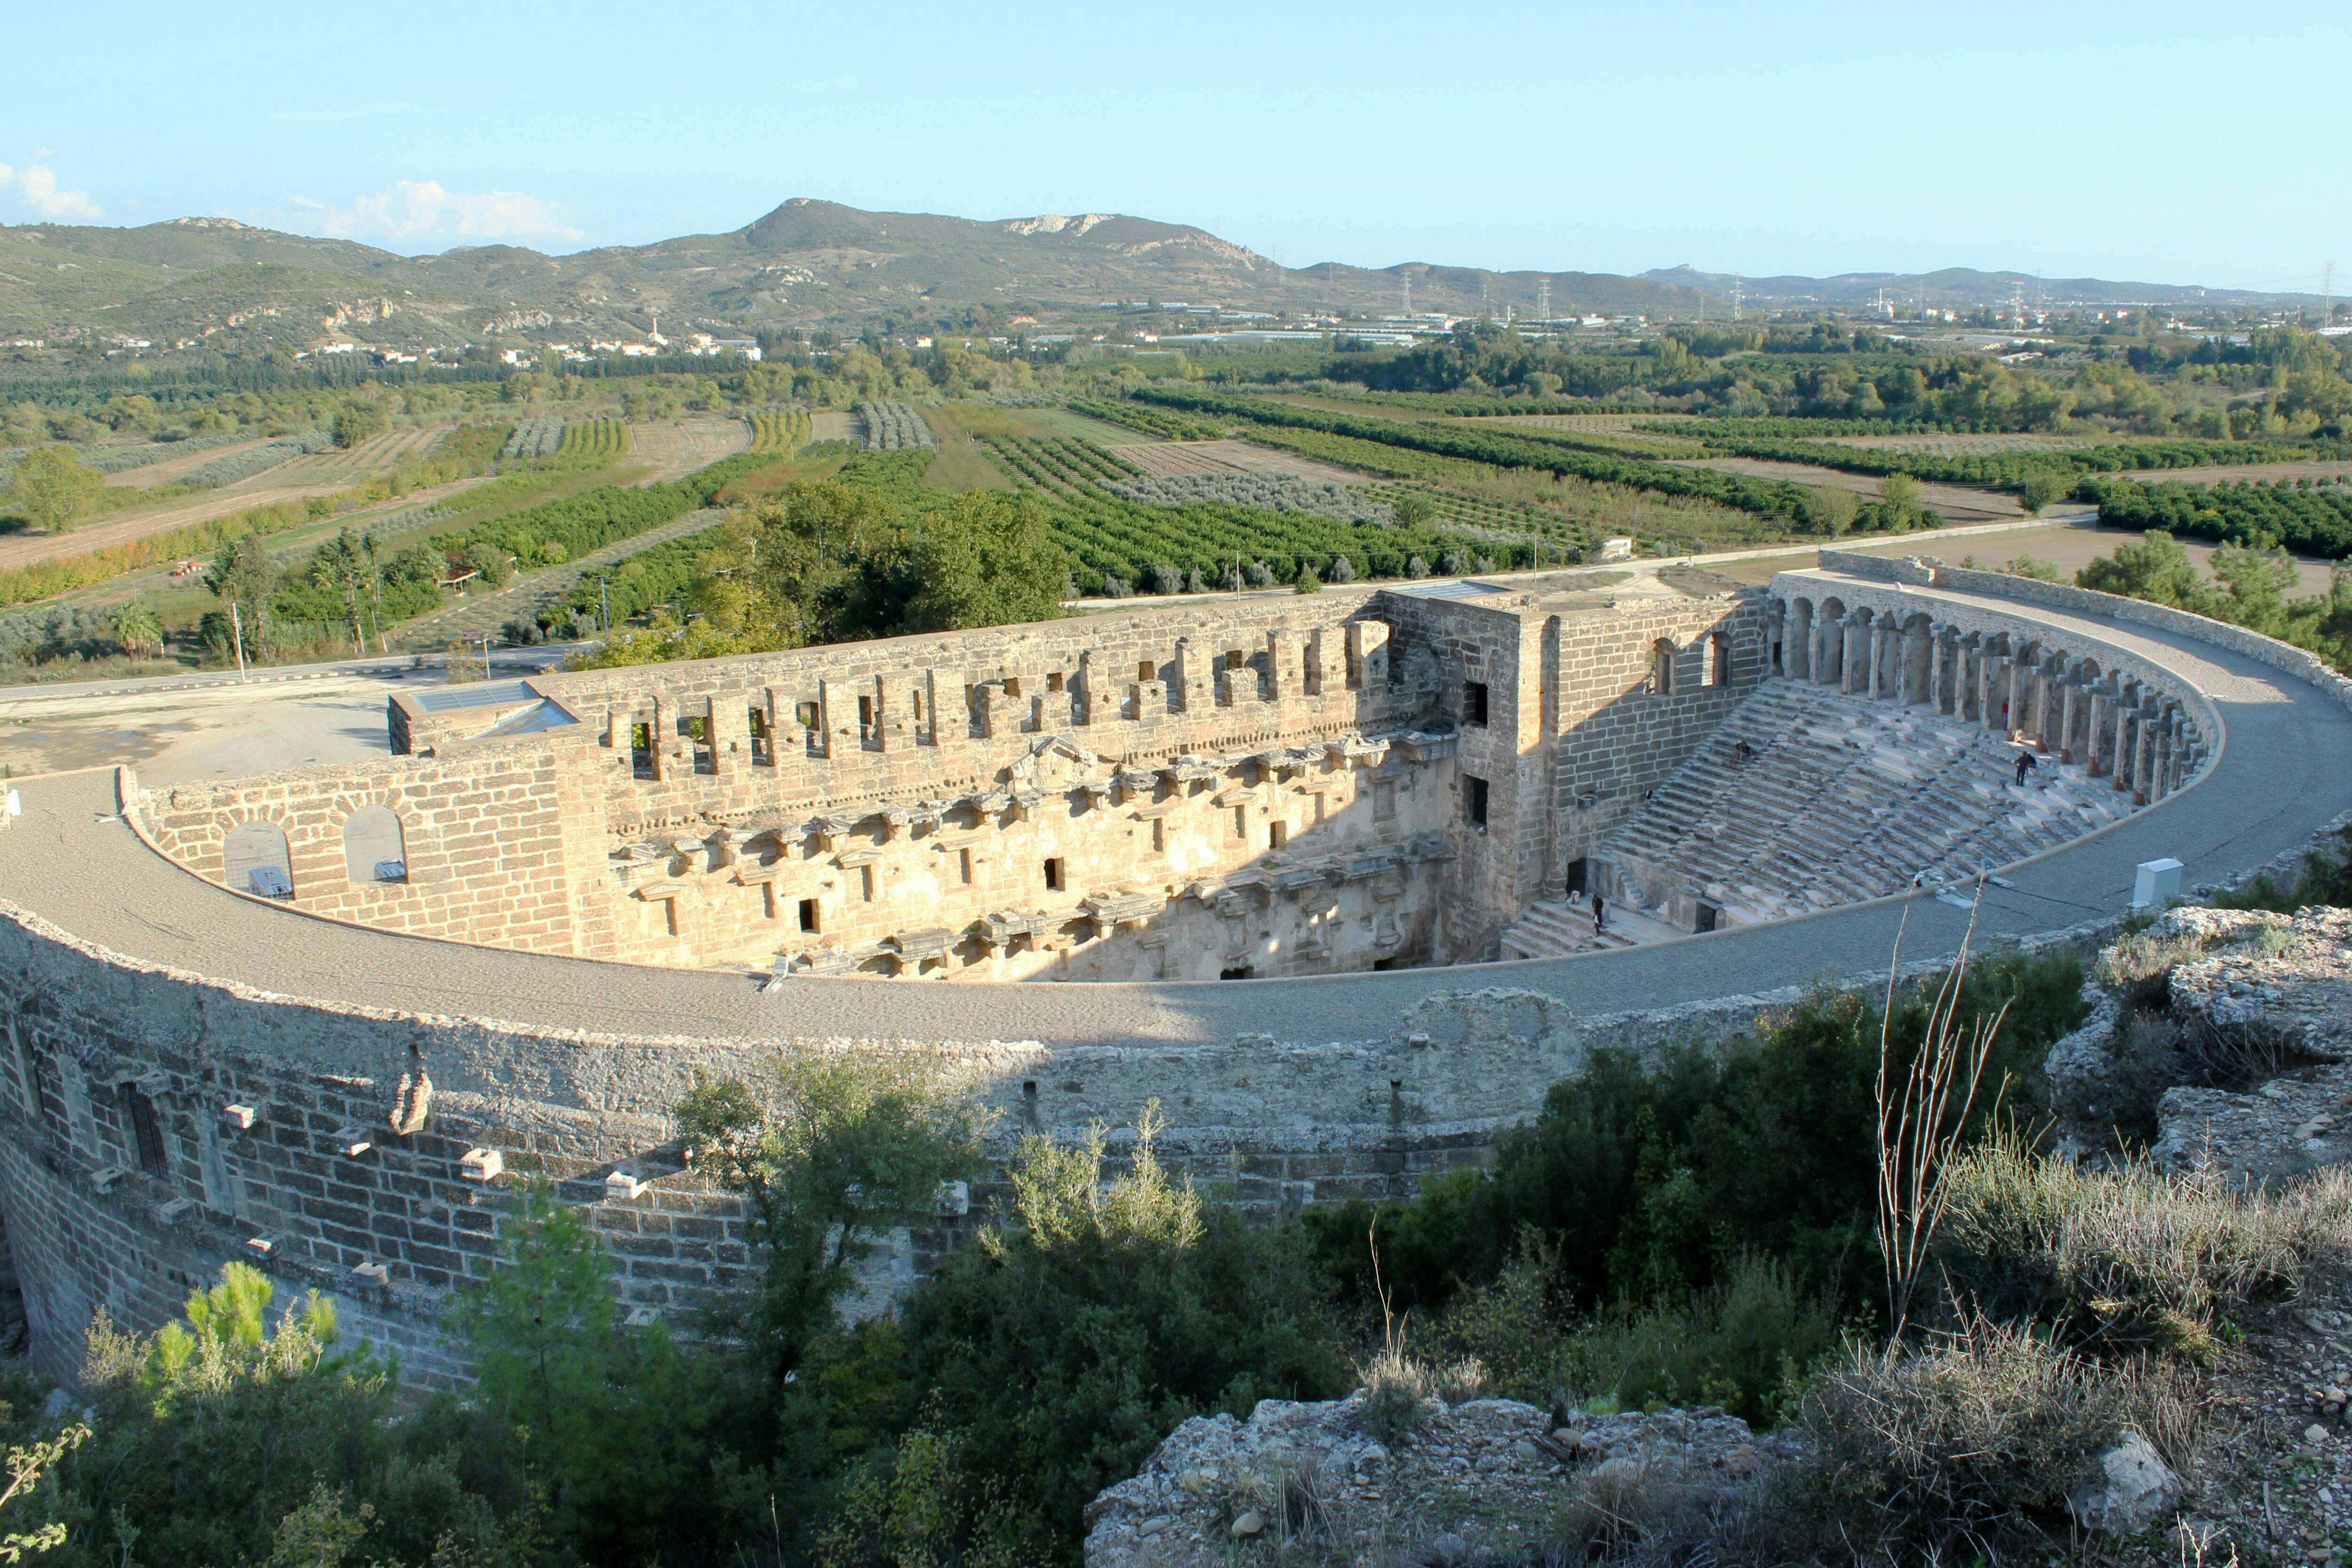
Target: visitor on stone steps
[(1743, 753), (2025, 765), (1600, 914)]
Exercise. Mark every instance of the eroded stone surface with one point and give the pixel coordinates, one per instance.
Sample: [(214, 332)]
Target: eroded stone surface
[(2295, 991), (1485, 1477)]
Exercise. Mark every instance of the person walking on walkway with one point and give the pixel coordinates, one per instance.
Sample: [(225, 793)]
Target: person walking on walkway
[(2025, 765), (1600, 914)]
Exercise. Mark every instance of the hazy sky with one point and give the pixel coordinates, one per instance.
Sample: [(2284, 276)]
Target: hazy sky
[(2149, 142)]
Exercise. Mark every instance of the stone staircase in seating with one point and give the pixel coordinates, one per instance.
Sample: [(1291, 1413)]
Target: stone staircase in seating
[(1843, 799), (1553, 928)]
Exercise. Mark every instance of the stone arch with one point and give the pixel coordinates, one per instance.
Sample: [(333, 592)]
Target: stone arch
[(257, 846), (1918, 661), (373, 843), (1662, 666), (1797, 637), (1829, 630)]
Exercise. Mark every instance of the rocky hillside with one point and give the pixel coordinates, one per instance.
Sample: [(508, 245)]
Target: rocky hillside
[(807, 262)]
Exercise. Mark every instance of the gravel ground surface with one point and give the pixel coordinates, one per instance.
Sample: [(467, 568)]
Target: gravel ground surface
[(2285, 770), (2275, 1481)]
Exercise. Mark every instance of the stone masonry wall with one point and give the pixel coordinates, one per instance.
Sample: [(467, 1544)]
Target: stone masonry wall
[(1274, 788), (1615, 734), (155, 1124), (483, 837)]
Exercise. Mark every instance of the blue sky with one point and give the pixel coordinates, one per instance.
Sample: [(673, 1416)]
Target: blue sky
[(2152, 142)]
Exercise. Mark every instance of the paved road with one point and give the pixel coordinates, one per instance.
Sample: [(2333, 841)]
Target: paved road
[(2285, 769)]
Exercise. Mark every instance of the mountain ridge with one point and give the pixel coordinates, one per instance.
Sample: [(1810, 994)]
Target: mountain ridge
[(807, 262)]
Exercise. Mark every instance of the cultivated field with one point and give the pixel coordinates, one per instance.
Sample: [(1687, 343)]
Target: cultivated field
[(1958, 503), (1062, 422), (1939, 445), (1170, 458), (961, 465), (369, 460), (2262, 473), (835, 424), (1585, 423), (676, 447), (24, 549), (148, 476), (2067, 546)]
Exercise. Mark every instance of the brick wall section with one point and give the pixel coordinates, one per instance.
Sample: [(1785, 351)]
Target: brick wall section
[(485, 838)]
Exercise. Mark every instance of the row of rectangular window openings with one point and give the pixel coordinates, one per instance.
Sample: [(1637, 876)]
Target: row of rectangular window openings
[(809, 716), (1474, 692)]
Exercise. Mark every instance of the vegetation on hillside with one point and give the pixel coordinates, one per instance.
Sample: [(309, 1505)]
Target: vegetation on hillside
[(1698, 1228)]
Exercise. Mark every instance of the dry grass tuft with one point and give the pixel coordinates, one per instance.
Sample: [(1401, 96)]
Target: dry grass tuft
[(2120, 1262), (1966, 1449)]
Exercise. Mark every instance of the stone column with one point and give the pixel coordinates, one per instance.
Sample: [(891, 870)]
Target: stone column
[(1095, 703), (2126, 734), (1284, 682), (1877, 686), (2047, 715), (1192, 680), (1993, 709), (2160, 780), (2073, 710), (2144, 752), (1799, 641), (825, 716), (1971, 677), (1000, 714), (893, 708), (1853, 673)]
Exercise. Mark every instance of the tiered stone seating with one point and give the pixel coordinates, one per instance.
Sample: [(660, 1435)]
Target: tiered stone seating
[(1845, 798)]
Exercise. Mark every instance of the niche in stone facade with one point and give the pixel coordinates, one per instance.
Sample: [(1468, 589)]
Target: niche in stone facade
[(253, 859), (374, 850)]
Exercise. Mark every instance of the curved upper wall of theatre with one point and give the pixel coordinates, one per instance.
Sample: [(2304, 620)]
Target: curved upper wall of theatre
[(1301, 785), (1285, 788)]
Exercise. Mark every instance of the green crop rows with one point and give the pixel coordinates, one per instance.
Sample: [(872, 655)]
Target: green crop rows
[(2314, 520), (1160, 421), (1115, 542), (1765, 498), (2009, 470)]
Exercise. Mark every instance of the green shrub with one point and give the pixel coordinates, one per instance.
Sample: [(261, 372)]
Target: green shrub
[(2326, 878), (1650, 1179), (1068, 1346), (1748, 1344)]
